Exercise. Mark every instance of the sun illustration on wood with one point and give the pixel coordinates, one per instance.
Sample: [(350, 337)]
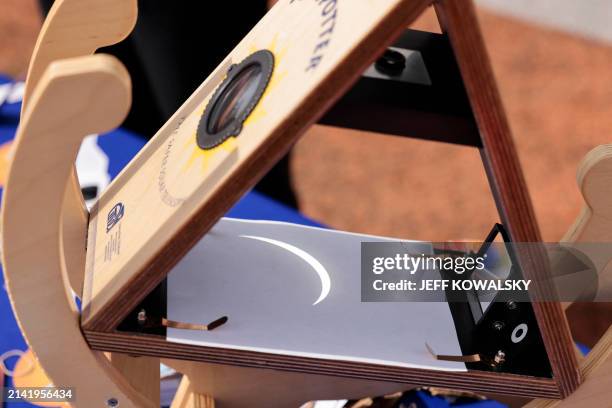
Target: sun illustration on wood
[(277, 76), (205, 157)]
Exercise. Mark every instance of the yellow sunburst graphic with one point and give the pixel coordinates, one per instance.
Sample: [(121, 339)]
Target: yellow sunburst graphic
[(205, 157), (277, 76)]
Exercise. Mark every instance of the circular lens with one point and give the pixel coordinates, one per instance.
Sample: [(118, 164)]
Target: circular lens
[(235, 99)]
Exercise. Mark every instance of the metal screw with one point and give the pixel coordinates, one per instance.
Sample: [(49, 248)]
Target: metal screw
[(497, 325), (112, 403), (391, 63), (511, 305), (142, 316), (499, 358)]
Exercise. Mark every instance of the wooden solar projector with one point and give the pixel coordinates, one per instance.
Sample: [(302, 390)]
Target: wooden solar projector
[(161, 275)]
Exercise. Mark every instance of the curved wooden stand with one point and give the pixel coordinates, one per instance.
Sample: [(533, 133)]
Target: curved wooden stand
[(594, 224), (36, 277), (76, 28)]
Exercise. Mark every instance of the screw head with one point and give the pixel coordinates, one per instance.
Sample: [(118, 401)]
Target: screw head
[(142, 316), (112, 403), (497, 325), (391, 63), (500, 357), (511, 305)]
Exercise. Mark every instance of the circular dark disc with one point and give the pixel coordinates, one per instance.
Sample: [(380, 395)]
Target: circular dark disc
[(235, 99)]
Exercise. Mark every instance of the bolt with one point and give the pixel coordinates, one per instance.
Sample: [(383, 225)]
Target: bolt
[(112, 403), (391, 63), (497, 325), (511, 305), (142, 317), (499, 358)]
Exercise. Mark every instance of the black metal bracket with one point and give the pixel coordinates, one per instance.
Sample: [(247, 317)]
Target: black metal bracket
[(401, 99), (506, 328), (404, 104)]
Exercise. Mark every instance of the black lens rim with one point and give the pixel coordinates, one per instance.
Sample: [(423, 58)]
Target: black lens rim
[(207, 140)]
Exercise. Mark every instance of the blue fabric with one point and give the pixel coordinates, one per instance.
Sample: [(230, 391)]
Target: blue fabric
[(583, 349), (9, 112), (422, 399), (10, 336)]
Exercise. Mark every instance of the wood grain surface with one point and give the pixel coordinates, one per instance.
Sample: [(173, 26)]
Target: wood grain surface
[(458, 19), (173, 191), (478, 381)]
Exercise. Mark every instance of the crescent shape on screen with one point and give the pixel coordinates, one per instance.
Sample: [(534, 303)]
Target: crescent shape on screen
[(306, 257)]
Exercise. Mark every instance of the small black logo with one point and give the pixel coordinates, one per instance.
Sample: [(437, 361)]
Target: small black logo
[(114, 216)]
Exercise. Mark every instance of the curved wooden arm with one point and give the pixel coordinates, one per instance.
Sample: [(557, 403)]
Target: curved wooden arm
[(76, 28), (74, 98), (594, 224), (595, 389)]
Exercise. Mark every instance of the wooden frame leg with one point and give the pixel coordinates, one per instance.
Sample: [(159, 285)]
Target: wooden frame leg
[(187, 397), (141, 372)]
